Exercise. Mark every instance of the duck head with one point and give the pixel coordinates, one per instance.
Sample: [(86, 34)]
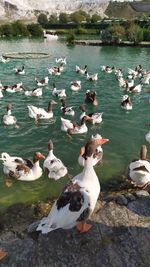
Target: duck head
[(143, 152), (50, 145), (91, 146), (50, 105), (38, 156)]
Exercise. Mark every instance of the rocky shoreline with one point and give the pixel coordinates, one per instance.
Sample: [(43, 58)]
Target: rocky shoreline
[(120, 235), (100, 43)]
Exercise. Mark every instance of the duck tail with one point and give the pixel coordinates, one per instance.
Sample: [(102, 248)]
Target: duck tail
[(45, 226)]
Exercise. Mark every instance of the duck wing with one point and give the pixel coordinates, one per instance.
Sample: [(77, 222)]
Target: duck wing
[(70, 208)]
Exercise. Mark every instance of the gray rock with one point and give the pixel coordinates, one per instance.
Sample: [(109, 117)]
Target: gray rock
[(121, 200), (120, 237), (142, 193)]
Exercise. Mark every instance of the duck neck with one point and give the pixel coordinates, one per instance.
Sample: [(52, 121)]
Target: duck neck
[(50, 154), (88, 166), (50, 106), (36, 165), (9, 112)]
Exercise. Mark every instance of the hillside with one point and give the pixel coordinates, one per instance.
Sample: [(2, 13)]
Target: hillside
[(29, 9), (124, 10)]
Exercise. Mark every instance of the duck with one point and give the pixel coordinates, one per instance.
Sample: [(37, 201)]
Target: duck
[(61, 60), (65, 109), (122, 82), (55, 70), (76, 201), (126, 102), (139, 170), (40, 113), (98, 155), (90, 97), (4, 59), (25, 170), (20, 71), (95, 117), (9, 119), (135, 89), (53, 166), (72, 127), (75, 85), (107, 69), (18, 87), (42, 82), (60, 93), (132, 72), (6, 157), (35, 92), (81, 71), (93, 77)]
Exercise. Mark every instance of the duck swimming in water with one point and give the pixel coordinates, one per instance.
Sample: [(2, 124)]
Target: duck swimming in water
[(53, 166), (139, 170)]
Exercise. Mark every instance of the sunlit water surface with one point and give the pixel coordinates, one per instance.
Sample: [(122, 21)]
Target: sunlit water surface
[(125, 129)]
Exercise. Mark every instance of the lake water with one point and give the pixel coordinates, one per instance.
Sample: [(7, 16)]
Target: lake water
[(125, 129)]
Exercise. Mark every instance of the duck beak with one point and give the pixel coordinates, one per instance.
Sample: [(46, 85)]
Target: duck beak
[(41, 156), (82, 150), (102, 141)]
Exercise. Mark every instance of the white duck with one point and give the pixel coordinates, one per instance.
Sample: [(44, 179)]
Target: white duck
[(40, 113), (60, 93), (139, 170), (4, 59), (73, 127), (35, 92), (77, 201), (107, 69), (18, 87), (53, 166), (42, 82), (25, 170), (9, 119), (93, 77), (95, 117), (20, 71), (75, 85), (98, 155), (126, 102), (81, 71), (65, 109), (55, 70), (135, 89), (61, 60)]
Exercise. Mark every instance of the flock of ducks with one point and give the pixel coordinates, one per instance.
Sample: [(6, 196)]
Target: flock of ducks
[(78, 199)]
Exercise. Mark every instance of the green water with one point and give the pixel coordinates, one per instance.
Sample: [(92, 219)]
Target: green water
[(125, 129)]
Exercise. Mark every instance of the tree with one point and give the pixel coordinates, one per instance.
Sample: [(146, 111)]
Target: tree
[(35, 29), (95, 18), (77, 17), (19, 29), (42, 20), (70, 39), (106, 36), (6, 30), (135, 33), (53, 19), (118, 33), (63, 18)]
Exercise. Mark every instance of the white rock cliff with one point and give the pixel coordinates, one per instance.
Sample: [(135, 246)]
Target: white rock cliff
[(28, 9)]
